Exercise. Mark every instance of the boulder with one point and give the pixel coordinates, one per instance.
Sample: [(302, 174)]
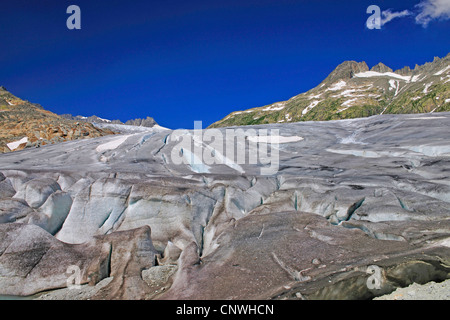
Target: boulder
[(35, 192), (32, 261)]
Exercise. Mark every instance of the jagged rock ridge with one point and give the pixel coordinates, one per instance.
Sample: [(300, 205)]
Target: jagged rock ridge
[(147, 122)]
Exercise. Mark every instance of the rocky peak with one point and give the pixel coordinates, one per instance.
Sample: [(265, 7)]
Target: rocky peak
[(405, 71), (147, 122), (351, 91), (346, 70), (381, 67)]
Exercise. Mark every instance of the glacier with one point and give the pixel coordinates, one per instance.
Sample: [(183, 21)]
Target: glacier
[(347, 195)]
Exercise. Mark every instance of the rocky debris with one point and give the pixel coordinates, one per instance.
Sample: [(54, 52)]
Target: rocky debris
[(24, 125), (352, 200), (415, 291)]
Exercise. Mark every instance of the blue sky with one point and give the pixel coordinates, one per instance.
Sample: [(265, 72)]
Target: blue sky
[(181, 61)]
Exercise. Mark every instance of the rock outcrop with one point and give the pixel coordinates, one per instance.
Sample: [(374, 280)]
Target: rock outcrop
[(24, 125), (382, 68)]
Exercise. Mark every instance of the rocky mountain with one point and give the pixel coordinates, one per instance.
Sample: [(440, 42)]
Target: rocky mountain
[(90, 119), (353, 90), (355, 209), (148, 122), (24, 124)]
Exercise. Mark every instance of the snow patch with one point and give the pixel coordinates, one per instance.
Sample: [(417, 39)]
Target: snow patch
[(427, 86), (442, 71), (384, 110), (415, 78), (274, 139), (158, 127), (349, 93), (392, 85), (347, 104), (106, 120), (124, 128), (398, 87), (308, 108), (240, 112), (15, 144), (337, 86), (275, 107), (370, 74), (111, 145), (317, 96)]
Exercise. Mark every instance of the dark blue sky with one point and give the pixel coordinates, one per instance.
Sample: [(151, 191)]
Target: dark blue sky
[(180, 61)]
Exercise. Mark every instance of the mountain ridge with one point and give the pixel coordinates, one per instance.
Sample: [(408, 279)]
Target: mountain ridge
[(24, 124), (353, 90), (147, 122)]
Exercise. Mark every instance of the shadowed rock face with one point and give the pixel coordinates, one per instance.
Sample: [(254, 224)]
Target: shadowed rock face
[(350, 197), (33, 261)]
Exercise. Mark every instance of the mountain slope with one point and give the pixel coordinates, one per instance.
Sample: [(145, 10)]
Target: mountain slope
[(353, 90), (25, 124)]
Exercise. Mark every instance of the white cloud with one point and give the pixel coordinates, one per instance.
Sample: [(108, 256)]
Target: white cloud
[(388, 15), (431, 10)]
